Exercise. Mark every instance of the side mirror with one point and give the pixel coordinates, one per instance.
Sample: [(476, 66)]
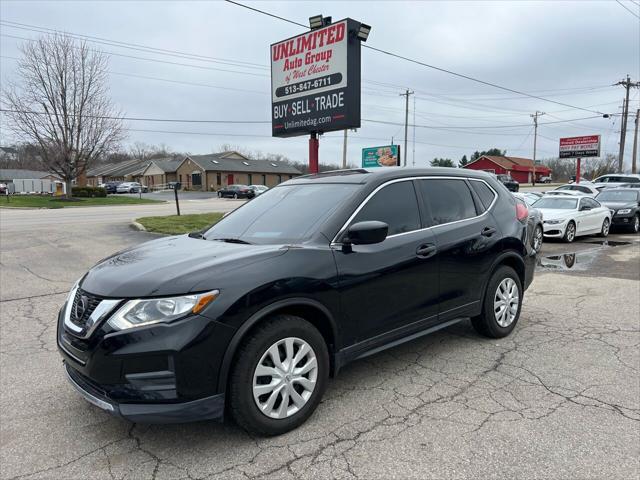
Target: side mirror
[(366, 233)]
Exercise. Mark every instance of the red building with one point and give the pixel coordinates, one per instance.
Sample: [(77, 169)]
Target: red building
[(520, 169)]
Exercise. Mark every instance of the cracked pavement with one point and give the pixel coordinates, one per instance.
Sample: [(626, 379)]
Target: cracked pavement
[(559, 398)]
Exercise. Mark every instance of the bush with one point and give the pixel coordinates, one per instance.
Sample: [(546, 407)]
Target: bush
[(89, 192)]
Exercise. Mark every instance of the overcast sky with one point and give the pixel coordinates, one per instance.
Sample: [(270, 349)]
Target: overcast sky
[(568, 51)]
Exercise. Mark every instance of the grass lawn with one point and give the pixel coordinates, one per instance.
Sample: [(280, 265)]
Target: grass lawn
[(175, 225), (45, 201)]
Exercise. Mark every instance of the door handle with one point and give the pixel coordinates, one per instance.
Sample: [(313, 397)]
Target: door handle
[(488, 231), (426, 250)]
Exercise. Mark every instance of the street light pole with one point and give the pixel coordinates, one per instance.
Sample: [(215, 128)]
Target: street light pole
[(535, 141)]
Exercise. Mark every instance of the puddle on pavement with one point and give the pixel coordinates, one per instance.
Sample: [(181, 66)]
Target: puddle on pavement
[(578, 261)]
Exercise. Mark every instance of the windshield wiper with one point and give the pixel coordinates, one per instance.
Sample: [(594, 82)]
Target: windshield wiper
[(232, 240)]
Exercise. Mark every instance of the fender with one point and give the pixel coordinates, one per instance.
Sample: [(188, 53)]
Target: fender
[(510, 254), (255, 318)]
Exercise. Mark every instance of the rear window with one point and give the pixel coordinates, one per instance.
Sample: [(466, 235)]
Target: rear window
[(449, 200)]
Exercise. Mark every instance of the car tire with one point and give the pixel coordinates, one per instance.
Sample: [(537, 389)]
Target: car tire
[(635, 225), (219, 194), (606, 226), (570, 232), (245, 381), (503, 293), (235, 196), (538, 237)]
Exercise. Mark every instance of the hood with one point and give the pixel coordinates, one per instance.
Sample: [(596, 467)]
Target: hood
[(172, 266), (555, 213), (618, 205)]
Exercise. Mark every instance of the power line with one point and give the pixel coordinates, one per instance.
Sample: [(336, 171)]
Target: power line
[(628, 10), (440, 69)]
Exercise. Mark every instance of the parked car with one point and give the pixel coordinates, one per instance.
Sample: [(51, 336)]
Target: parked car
[(562, 193), (571, 216), (615, 180), (110, 187), (258, 189), (236, 191), (131, 187), (583, 180), (545, 179), (529, 197), (629, 185), (535, 226), (624, 204), (510, 183), (255, 314), (585, 188)]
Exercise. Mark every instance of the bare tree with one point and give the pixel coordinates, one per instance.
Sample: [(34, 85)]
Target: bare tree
[(61, 105)]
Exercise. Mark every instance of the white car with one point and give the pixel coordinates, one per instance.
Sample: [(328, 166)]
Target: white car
[(131, 187), (562, 193), (259, 189), (615, 180), (584, 188), (571, 216)]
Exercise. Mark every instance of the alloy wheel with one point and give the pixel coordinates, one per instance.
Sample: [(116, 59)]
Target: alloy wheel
[(537, 238), (605, 227), (636, 224), (285, 378), (506, 302), (571, 232)]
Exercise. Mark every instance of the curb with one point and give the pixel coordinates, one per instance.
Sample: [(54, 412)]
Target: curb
[(137, 226)]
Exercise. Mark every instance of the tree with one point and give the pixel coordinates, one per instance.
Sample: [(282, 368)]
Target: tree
[(463, 161), (442, 162), (496, 152), (61, 105)]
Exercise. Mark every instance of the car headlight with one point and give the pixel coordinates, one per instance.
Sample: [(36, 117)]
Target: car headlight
[(137, 313), (624, 211), (553, 222)]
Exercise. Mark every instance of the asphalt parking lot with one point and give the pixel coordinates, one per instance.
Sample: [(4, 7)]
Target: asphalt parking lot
[(559, 398)]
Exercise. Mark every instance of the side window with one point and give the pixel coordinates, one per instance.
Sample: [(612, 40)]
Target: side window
[(583, 189), (592, 203), (632, 180), (484, 192), (449, 200), (396, 205)]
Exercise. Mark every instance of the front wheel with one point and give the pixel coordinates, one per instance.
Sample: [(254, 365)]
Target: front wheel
[(635, 224), (501, 306), (570, 233), (279, 376), (606, 225), (235, 196)]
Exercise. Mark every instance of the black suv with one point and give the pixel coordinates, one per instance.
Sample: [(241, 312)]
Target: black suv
[(511, 184), (254, 314)]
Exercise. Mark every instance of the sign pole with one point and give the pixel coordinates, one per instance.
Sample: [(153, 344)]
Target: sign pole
[(578, 170), (314, 146), (175, 194)]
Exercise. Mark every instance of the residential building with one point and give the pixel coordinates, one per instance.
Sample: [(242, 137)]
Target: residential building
[(129, 171), (520, 169)]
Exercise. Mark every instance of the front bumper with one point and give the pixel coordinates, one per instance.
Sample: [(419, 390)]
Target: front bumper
[(554, 230), (209, 408), (622, 220)]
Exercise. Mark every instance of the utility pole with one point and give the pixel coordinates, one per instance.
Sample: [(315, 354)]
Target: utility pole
[(535, 141), (627, 84), (344, 150), (413, 159), (634, 167), (406, 121)]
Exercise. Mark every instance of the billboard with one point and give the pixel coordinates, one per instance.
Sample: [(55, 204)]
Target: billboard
[(385, 156), (315, 81), (580, 147)]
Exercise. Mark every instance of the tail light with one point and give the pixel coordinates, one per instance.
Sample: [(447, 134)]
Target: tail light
[(522, 212)]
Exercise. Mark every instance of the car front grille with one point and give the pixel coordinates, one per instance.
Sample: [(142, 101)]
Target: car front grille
[(83, 306)]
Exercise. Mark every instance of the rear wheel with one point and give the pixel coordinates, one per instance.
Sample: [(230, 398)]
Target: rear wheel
[(538, 236), (570, 232), (635, 223), (606, 225), (501, 306), (279, 376)]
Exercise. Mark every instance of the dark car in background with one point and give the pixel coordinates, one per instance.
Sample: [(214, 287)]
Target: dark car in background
[(236, 191), (511, 184), (254, 315), (111, 187), (624, 204)]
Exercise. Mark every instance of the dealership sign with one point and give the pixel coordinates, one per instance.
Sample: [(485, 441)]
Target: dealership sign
[(385, 156), (580, 147), (315, 81)]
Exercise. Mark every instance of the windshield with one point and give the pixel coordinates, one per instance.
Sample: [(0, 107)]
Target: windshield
[(557, 203), (619, 196), (282, 215)]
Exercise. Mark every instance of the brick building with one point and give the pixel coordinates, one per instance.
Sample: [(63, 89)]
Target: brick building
[(520, 169)]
